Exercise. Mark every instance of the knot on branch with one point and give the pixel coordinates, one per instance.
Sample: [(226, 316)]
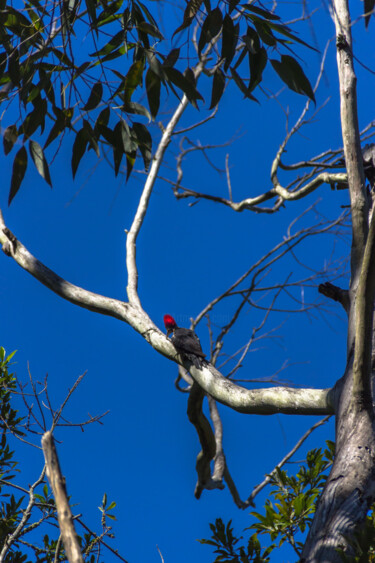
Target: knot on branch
[(9, 246), (336, 293)]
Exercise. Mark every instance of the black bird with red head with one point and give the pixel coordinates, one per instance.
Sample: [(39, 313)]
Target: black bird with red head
[(185, 341)]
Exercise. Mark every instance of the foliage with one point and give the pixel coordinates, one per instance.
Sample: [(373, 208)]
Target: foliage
[(25, 533), (52, 84), (290, 514)]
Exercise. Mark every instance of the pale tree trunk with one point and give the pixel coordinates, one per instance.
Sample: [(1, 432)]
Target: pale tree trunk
[(350, 488)]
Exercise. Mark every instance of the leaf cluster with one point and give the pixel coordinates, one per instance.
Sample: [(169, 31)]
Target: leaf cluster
[(287, 514), (53, 84)]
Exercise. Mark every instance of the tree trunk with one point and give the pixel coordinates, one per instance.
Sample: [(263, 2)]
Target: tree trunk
[(350, 487)]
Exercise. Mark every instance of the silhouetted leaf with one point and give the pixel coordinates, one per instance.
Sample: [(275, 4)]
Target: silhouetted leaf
[(186, 85), (240, 83), (40, 161), (79, 148), (210, 28), (290, 72), (144, 142), (130, 144), (153, 84), (91, 9), (218, 85), (261, 12), (284, 30), (150, 29), (229, 41), (232, 4), (34, 119), (154, 64), (18, 173), (172, 58), (251, 40), (112, 44), (95, 97), (62, 122), (368, 9), (10, 136), (118, 147), (190, 11), (257, 63), (264, 32)]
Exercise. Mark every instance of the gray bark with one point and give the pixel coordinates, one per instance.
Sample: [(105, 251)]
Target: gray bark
[(350, 487)]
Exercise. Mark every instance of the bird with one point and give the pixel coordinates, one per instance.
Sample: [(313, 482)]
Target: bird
[(185, 341)]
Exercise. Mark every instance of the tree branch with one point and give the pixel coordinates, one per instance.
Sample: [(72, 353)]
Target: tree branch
[(57, 482), (351, 136), (258, 401), (364, 311)]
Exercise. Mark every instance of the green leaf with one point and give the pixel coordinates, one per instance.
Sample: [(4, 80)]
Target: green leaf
[(40, 161), (218, 85), (138, 109), (260, 12), (91, 9), (95, 97), (144, 142), (18, 173), (210, 28), (153, 85), (130, 160), (10, 136), (290, 72), (133, 79), (150, 29), (112, 44)]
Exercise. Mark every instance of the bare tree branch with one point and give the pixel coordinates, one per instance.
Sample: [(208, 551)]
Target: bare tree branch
[(57, 482)]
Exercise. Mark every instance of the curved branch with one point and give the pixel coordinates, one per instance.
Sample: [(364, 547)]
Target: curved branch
[(275, 400), (258, 401)]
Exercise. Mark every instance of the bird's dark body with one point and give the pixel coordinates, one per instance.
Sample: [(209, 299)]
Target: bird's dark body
[(187, 342)]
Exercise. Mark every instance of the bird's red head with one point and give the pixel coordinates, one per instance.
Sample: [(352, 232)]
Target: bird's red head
[(170, 323)]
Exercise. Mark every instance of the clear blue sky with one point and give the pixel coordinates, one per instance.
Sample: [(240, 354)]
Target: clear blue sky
[(143, 456)]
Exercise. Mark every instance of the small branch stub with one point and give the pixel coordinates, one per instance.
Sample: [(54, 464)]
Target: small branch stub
[(64, 513)]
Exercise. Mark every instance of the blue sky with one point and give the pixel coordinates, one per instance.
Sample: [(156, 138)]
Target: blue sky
[(143, 455)]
